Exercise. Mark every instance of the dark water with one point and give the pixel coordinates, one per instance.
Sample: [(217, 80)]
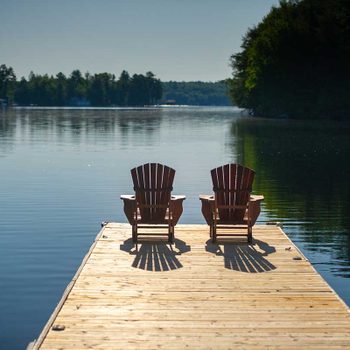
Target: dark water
[(62, 172)]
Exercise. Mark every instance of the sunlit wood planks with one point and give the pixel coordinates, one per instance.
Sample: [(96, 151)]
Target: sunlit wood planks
[(197, 295)]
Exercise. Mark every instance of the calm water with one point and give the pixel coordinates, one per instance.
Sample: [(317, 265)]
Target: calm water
[(62, 172)]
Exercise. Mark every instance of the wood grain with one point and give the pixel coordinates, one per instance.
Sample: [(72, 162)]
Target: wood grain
[(198, 295)]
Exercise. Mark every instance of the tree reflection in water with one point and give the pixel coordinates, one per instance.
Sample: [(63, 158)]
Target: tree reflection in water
[(303, 170)]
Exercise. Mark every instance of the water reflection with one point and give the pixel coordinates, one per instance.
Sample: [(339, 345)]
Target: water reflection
[(7, 132), (303, 170), (75, 124)]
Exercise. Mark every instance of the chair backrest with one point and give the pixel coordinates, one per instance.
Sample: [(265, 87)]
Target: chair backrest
[(232, 185), (153, 184)]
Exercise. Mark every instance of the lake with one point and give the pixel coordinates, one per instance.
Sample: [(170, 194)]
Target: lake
[(63, 170)]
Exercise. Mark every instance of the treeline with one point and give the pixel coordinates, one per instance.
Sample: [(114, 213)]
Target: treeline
[(102, 89), (197, 93), (296, 62)]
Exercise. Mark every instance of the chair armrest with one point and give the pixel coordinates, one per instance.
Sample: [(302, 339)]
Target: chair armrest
[(206, 197), (129, 207), (176, 208), (127, 197), (207, 202), (254, 207), (256, 198), (177, 197)]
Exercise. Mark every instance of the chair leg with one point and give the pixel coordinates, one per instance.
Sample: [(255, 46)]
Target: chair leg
[(250, 235), (213, 238), (171, 234), (249, 222), (134, 233), (134, 236)]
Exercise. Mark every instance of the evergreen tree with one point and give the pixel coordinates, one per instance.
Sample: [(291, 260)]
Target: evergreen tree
[(7, 80), (296, 62), (61, 90), (122, 88)]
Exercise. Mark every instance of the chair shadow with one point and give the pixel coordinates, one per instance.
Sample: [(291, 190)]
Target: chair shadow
[(156, 256), (243, 257)]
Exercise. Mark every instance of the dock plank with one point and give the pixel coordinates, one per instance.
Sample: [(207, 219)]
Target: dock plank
[(197, 295)]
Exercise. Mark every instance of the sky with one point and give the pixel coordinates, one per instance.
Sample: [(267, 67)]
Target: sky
[(182, 40)]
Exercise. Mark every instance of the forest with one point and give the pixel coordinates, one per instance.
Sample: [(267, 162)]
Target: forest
[(296, 62), (197, 93), (104, 90)]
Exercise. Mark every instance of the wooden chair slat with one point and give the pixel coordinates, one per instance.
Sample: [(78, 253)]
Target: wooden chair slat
[(221, 196), (146, 169), (226, 182), (164, 194), (232, 191), (158, 189), (233, 186), (214, 178), (240, 197), (159, 184), (139, 189), (153, 206), (152, 189), (231, 206)]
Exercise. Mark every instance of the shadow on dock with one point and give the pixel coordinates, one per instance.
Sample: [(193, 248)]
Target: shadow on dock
[(156, 256), (243, 257)]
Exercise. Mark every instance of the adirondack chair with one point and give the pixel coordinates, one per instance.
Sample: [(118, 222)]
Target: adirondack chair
[(153, 206), (232, 206)]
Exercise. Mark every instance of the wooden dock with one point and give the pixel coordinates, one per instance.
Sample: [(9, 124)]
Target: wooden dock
[(197, 296)]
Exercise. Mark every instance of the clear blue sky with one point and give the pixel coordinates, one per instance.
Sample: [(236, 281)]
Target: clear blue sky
[(176, 40)]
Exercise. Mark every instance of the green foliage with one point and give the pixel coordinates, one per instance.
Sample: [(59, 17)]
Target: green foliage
[(296, 62), (103, 89), (144, 90), (100, 89), (196, 93), (7, 80)]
